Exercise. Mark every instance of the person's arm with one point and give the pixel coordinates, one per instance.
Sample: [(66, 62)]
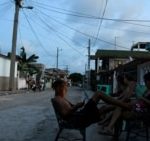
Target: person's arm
[(145, 100), (78, 105), (66, 109), (113, 101)]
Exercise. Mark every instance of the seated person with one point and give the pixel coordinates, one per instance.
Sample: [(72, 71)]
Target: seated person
[(129, 84), (121, 86), (138, 109), (126, 89), (88, 114)]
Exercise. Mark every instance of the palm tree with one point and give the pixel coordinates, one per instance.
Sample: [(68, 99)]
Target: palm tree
[(25, 65)]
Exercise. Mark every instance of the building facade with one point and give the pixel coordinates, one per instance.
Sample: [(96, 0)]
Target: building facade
[(5, 72)]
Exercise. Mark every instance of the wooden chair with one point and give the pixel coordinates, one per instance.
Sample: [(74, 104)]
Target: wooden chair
[(63, 124)]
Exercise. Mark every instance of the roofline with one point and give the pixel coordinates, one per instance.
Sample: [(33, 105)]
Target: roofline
[(102, 54), (4, 56)]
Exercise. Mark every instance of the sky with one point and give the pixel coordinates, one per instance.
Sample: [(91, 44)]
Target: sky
[(67, 25)]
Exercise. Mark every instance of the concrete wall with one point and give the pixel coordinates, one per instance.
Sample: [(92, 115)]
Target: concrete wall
[(5, 72), (4, 83), (5, 67), (22, 83)]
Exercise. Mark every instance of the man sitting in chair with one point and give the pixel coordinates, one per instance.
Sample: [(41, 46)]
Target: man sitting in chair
[(88, 114)]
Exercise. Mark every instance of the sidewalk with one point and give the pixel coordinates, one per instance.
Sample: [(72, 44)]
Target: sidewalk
[(14, 92)]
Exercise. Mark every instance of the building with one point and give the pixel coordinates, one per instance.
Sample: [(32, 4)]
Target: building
[(109, 63), (52, 74), (5, 72)]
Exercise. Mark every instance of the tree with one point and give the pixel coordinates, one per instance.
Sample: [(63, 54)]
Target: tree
[(25, 65), (76, 78)]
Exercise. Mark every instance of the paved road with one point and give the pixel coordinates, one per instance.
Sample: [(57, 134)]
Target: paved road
[(30, 117)]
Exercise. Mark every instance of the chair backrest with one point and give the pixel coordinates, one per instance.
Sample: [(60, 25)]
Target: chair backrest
[(64, 124), (58, 116)]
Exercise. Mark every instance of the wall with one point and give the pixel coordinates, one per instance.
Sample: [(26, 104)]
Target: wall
[(141, 70), (4, 73), (22, 83)]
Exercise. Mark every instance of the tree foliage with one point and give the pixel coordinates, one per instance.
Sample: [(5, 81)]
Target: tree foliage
[(76, 77), (25, 65)]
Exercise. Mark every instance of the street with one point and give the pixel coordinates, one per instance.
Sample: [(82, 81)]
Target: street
[(30, 116)]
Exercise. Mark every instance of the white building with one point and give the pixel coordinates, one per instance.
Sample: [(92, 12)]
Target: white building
[(5, 72)]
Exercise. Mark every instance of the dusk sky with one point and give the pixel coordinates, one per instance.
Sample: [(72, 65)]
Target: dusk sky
[(69, 24)]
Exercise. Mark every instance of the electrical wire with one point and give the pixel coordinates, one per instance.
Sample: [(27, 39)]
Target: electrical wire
[(58, 34), (36, 36), (90, 16), (83, 14), (4, 3), (5, 9), (100, 24), (62, 33), (85, 34)]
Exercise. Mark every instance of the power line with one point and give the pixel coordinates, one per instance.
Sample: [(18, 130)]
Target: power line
[(36, 36), (85, 34), (5, 9), (57, 33), (94, 17), (90, 16), (53, 7), (4, 3), (86, 14), (99, 27)]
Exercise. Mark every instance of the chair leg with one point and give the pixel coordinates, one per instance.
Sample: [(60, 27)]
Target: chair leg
[(83, 133), (147, 133), (118, 129), (57, 136), (127, 136), (128, 131)]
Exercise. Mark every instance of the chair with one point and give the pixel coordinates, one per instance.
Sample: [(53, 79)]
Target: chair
[(137, 126), (63, 124)]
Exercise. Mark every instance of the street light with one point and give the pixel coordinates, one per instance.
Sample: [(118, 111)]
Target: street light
[(27, 7)]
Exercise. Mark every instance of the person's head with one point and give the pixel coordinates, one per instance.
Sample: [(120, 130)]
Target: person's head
[(120, 79), (128, 78), (60, 87), (147, 80)]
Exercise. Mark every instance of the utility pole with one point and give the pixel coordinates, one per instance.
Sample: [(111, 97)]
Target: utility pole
[(67, 69), (115, 42), (89, 74), (14, 41), (12, 81), (57, 57)]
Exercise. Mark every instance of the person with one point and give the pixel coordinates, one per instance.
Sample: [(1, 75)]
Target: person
[(88, 114), (126, 85), (139, 108), (121, 86)]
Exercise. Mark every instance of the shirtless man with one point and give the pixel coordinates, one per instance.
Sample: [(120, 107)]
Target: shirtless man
[(88, 114)]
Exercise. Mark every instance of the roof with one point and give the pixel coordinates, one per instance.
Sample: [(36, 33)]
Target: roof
[(141, 45), (131, 65), (124, 54), (4, 56)]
